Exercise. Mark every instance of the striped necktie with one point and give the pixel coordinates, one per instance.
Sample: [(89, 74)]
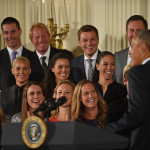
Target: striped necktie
[(90, 69), (44, 65)]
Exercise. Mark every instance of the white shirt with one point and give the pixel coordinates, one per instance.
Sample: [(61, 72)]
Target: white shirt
[(129, 58), (19, 52), (145, 61), (46, 54), (86, 64)]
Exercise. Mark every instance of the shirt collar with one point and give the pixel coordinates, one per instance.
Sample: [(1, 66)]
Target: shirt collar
[(93, 57), (19, 50), (145, 61), (46, 54)]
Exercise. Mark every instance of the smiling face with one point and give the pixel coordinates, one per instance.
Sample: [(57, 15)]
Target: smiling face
[(61, 70), (12, 35), (89, 43), (34, 96), (106, 67), (21, 71), (89, 96), (40, 40), (67, 91)]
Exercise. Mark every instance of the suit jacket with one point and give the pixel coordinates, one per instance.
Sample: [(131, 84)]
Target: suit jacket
[(37, 71), (136, 119), (121, 62), (78, 70), (6, 77), (11, 100)]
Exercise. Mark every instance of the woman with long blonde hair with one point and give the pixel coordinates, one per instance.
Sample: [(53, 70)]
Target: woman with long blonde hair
[(88, 105), (63, 113)]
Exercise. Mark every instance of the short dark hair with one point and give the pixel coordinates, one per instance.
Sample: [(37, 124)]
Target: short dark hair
[(102, 55), (137, 18), (10, 20), (87, 28), (144, 36)]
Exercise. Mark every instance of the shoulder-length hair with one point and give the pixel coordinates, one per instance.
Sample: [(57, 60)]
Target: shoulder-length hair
[(49, 81), (55, 92), (25, 105), (78, 110)]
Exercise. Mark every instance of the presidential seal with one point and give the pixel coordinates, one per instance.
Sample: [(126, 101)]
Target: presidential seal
[(34, 132)]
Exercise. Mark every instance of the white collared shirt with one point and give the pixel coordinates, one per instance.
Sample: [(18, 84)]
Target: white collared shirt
[(86, 64), (46, 54), (145, 61), (19, 52), (129, 57)]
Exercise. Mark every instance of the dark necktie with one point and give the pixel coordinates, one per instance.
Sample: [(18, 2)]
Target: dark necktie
[(44, 65), (90, 69), (19, 98), (14, 53)]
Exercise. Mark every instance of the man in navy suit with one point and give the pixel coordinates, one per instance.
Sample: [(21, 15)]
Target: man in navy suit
[(11, 32), (88, 39), (40, 38), (136, 120), (122, 58)]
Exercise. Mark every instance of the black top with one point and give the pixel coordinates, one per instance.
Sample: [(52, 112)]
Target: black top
[(116, 110), (11, 100), (115, 91)]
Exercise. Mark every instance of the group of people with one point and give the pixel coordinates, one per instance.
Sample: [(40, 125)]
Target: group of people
[(102, 89)]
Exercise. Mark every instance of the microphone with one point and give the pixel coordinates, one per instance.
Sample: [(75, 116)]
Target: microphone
[(50, 104)]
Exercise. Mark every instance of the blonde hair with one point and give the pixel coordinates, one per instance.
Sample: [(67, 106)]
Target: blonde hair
[(55, 92), (39, 26), (60, 83), (126, 69), (77, 108), (21, 59)]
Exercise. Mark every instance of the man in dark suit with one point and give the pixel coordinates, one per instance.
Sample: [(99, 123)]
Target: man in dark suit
[(11, 98), (12, 35), (88, 39), (137, 120), (122, 58), (40, 38)]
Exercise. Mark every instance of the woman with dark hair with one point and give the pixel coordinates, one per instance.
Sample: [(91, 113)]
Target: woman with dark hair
[(88, 105), (107, 86), (58, 70), (33, 96)]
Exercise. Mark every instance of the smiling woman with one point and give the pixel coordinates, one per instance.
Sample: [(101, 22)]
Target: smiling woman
[(107, 86), (88, 105), (58, 70), (33, 96)]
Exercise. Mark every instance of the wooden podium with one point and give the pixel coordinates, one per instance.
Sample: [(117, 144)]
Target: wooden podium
[(70, 135)]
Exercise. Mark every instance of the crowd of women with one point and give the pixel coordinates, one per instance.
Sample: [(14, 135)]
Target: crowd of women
[(87, 101)]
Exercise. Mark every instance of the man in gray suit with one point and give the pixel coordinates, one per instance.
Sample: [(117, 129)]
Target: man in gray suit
[(122, 58)]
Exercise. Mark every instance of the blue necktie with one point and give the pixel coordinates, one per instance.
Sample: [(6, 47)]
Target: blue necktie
[(14, 53)]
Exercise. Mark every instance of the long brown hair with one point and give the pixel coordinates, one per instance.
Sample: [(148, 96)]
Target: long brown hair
[(25, 105), (77, 108), (2, 117)]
